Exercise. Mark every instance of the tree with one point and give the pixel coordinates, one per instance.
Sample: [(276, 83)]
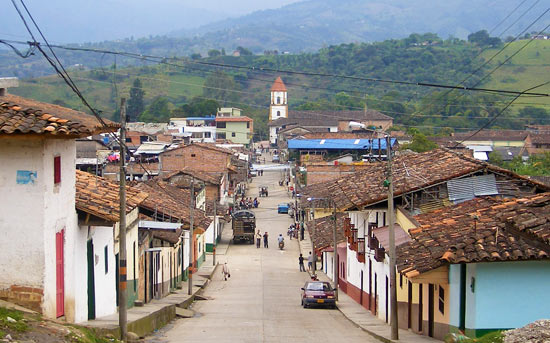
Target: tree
[(535, 114), (197, 107), (214, 53), (482, 38), (196, 56), (220, 86), (419, 143), (135, 103), (157, 112), (244, 51)]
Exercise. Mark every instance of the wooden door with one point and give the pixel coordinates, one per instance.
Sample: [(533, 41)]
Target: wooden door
[(59, 274), (409, 304), (361, 294), (387, 296), (431, 310)]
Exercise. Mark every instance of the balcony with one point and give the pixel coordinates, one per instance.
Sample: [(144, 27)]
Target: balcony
[(380, 254), (361, 250), (352, 240)]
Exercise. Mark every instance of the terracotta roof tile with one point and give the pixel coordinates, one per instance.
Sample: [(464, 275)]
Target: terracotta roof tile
[(278, 85), (235, 119), (321, 231), (24, 116), (476, 231), (99, 197), (213, 178), (170, 203), (411, 172)]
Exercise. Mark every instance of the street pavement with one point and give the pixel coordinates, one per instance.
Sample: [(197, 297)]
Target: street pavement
[(261, 300)]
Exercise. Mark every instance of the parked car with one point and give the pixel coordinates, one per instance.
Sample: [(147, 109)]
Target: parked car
[(275, 158), (283, 207), (253, 173), (259, 152), (318, 293)]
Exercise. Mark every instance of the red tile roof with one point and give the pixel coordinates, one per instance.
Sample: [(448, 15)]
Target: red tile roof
[(411, 172), (321, 231), (278, 85), (234, 119), (213, 178), (24, 116), (171, 204), (478, 231), (99, 197)]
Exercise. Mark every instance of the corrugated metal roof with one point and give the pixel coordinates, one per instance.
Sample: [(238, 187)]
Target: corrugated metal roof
[(338, 144), (470, 187)]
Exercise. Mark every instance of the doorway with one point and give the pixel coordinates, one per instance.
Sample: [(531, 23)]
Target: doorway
[(431, 310), (91, 280), (59, 274), (361, 294)]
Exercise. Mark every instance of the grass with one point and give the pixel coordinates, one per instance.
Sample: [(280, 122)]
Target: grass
[(492, 337), (84, 335), (528, 68), (18, 326)]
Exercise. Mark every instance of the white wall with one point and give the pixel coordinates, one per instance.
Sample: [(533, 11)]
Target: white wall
[(105, 282), (59, 214), (21, 213), (354, 267), (282, 95), (209, 233)]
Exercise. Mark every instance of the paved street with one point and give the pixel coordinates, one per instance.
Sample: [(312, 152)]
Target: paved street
[(261, 301)]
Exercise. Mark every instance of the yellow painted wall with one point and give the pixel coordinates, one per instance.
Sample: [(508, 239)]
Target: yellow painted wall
[(403, 221)]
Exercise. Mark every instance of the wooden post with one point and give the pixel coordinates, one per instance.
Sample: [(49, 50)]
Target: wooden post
[(393, 289), (122, 295)]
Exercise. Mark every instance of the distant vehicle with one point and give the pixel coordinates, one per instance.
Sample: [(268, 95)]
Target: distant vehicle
[(253, 173), (275, 158), (259, 152), (283, 207), (318, 293), (244, 225), (263, 191)]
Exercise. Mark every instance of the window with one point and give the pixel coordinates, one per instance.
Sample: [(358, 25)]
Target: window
[(193, 155), (278, 99), (441, 300), (56, 170), (278, 113), (232, 134), (128, 140), (221, 135), (248, 125), (220, 125), (143, 139), (106, 252), (207, 135), (400, 280)]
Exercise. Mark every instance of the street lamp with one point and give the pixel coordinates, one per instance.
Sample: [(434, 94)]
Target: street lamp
[(335, 264)]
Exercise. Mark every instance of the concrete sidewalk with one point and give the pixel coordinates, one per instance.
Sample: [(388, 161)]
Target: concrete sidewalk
[(359, 315), (142, 320)]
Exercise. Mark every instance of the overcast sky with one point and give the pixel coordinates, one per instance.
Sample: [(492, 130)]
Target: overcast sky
[(79, 21)]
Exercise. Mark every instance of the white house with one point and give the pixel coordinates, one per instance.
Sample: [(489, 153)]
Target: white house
[(97, 204), (38, 220)]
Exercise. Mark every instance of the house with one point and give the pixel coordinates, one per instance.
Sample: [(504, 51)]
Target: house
[(422, 183), (360, 148), (479, 266), (38, 222), (98, 207), (509, 138), (91, 154), (201, 157), (238, 130), (182, 179), (197, 129), (280, 117), (537, 143)]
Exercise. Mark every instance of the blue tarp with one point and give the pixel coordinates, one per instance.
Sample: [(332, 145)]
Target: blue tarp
[(338, 144)]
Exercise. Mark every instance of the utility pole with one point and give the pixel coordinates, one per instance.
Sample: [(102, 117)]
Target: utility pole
[(214, 234), (393, 289), (191, 210), (122, 227), (335, 264)]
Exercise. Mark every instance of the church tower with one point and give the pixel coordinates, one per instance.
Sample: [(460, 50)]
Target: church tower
[(279, 101)]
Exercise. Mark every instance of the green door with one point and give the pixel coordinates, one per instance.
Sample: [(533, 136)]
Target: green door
[(91, 280)]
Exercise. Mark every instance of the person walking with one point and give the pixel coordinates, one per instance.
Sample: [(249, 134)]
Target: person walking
[(225, 271), (265, 240), (258, 239), (301, 263), (309, 261)]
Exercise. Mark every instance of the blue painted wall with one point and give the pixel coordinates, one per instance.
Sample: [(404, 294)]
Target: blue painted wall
[(454, 294), (507, 294)]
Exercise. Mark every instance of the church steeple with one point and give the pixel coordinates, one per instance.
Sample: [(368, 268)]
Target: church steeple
[(279, 100)]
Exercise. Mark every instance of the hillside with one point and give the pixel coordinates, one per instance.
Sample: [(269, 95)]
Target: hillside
[(444, 62), (304, 26)]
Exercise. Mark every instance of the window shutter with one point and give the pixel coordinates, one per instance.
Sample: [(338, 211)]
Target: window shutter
[(57, 169)]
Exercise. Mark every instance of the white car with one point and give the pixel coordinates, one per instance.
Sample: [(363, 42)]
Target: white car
[(275, 158), (259, 152)]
